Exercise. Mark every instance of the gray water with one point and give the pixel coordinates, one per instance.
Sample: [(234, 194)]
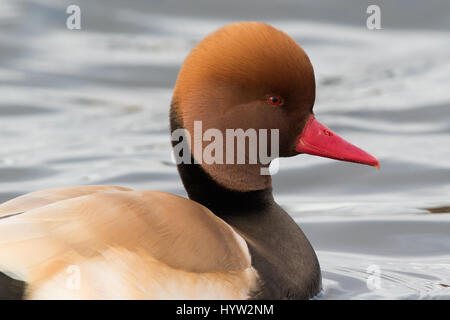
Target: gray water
[(90, 106)]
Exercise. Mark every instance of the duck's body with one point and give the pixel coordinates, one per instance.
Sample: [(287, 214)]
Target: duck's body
[(126, 244), (230, 240), (106, 242)]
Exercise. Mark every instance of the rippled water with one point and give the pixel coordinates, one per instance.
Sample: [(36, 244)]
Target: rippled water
[(91, 107)]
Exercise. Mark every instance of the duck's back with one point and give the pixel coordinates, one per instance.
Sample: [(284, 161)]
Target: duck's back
[(111, 242)]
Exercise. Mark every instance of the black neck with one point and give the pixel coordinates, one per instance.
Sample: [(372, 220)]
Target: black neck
[(203, 189)]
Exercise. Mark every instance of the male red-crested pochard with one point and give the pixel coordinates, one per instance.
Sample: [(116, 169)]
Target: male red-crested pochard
[(231, 240)]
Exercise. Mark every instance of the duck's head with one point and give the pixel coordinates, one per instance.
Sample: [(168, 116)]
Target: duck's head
[(253, 76)]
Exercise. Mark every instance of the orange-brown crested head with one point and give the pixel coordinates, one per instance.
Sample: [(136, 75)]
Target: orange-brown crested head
[(251, 76), (231, 78), (246, 75)]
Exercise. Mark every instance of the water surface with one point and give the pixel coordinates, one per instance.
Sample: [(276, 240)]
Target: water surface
[(91, 107)]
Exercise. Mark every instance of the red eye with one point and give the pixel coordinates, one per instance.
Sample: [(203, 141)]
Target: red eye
[(275, 100)]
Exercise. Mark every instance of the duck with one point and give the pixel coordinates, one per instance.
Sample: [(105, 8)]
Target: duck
[(229, 239)]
